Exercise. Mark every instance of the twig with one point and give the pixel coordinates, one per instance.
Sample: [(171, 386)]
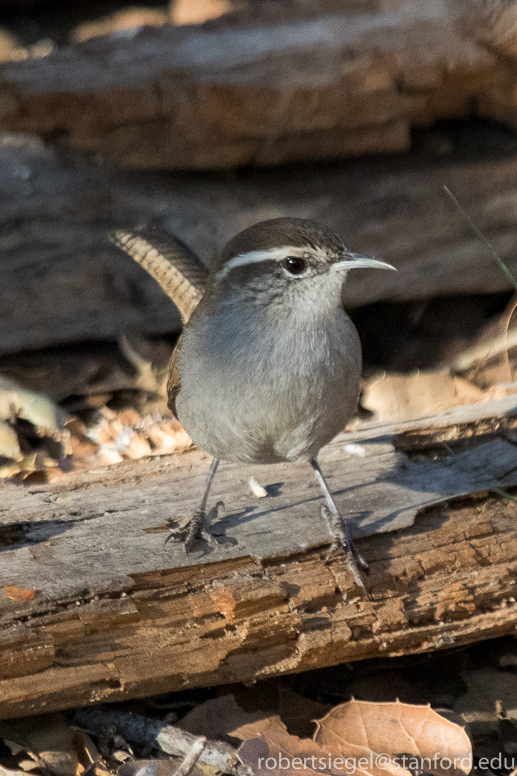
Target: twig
[(141, 730), (191, 757)]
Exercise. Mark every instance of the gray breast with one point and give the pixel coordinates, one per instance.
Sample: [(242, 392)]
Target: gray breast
[(251, 397)]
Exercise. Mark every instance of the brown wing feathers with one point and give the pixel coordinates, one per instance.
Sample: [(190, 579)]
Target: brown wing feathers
[(178, 271), (169, 261)]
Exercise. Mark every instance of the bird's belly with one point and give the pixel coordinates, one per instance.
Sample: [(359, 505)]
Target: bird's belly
[(280, 399), (260, 422)]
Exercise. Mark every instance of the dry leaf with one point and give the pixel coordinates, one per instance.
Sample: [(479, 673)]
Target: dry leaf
[(402, 397), (48, 741), (218, 717), (18, 594), (9, 445), (137, 447), (125, 19), (161, 768), (81, 446), (87, 752), (31, 405), (167, 437), (359, 728), (366, 739), (268, 748)]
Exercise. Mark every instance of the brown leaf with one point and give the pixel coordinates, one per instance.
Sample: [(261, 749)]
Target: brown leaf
[(168, 436), (269, 749), (218, 717), (18, 594), (402, 397), (48, 741), (395, 729)]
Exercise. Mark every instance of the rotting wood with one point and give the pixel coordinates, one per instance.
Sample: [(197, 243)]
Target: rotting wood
[(96, 608), (55, 219), (262, 91)]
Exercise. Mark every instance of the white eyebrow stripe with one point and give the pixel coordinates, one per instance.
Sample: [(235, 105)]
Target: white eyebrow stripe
[(272, 254)]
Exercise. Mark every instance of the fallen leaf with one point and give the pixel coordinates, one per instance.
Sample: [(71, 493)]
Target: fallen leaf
[(187, 12), (9, 445), (47, 739), (268, 748), (218, 717), (360, 728), (31, 405), (402, 397), (168, 436), (81, 446), (366, 739), (125, 19)]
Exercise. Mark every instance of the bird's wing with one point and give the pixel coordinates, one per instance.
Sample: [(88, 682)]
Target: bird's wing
[(174, 379), (169, 261)]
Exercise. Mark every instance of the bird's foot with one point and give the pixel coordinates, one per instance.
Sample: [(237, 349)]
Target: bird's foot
[(340, 533), (187, 530)]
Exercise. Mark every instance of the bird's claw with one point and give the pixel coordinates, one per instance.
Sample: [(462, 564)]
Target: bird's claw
[(196, 527), (340, 533)]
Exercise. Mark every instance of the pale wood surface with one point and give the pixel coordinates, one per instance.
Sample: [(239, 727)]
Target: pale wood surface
[(61, 280), (115, 613)]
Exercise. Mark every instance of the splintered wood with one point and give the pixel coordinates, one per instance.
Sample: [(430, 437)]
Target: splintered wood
[(95, 607)]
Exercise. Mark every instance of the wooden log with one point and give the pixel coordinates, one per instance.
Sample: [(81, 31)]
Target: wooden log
[(61, 280), (94, 607), (267, 89)]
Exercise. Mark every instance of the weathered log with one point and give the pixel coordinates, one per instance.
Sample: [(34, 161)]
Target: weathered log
[(269, 90), (61, 280), (94, 606)]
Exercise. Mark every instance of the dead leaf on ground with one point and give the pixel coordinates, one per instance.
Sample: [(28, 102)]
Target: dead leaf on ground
[(368, 739), (394, 729), (31, 405), (217, 717), (187, 12), (9, 445), (126, 435), (402, 397), (162, 767), (125, 19), (46, 741), (268, 748)]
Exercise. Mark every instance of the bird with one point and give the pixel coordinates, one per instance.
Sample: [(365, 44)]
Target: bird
[(267, 368)]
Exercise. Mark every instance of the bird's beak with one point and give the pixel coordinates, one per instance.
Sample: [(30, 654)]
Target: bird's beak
[(356, 261)]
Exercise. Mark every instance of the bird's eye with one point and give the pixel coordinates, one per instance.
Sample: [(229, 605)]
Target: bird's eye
[(294, 265)]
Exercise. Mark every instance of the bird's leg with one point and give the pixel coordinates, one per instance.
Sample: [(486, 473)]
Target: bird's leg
[(340, 530), (198, 526)]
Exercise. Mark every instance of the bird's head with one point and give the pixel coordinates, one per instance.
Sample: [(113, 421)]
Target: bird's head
[(287, 261)]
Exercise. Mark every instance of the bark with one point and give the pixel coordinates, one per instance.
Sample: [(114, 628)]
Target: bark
[(95, 607), (263, 89), (61, 281)]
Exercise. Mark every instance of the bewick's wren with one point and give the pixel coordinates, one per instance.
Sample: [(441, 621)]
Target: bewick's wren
[(268, 366)]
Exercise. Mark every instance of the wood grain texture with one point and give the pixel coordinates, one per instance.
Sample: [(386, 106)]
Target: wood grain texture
[(261, 89), (94, 606), (55, 219)]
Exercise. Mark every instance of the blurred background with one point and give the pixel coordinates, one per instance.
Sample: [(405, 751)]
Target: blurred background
[(205, 116)]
